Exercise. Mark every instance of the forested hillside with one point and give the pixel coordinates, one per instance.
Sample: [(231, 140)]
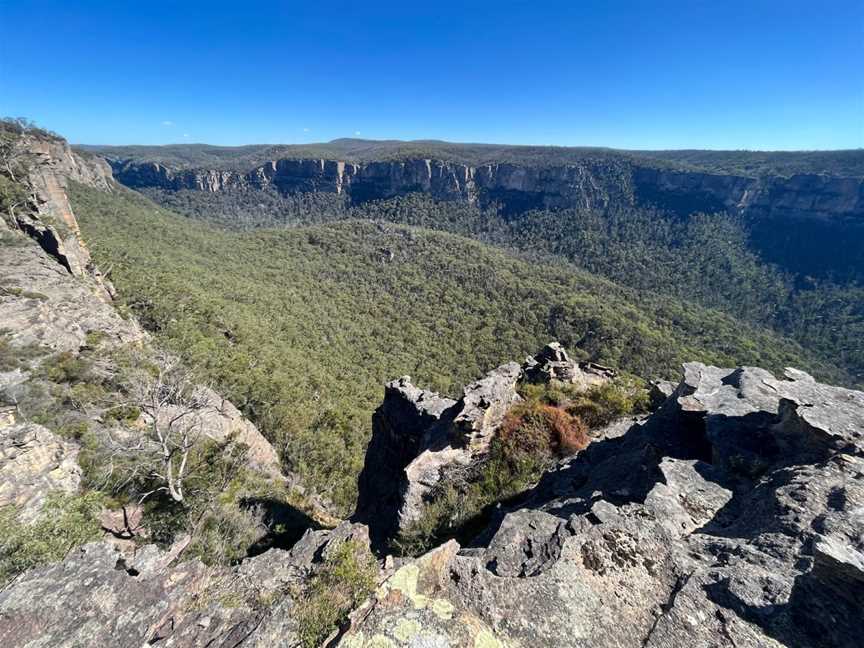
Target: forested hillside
[(301, 327), (793, 277), (241, 158)]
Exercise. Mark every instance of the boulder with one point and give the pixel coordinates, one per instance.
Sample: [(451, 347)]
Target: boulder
[(553, 363)]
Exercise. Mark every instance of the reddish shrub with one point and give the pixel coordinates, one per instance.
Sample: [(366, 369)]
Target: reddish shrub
[(542, 430)]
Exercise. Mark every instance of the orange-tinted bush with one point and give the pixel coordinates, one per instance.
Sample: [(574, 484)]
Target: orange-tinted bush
[(539, 430)]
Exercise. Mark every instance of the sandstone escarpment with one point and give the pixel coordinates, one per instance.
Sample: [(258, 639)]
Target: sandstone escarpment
[(51, 222), (804, 195), (592, 183), (56, 306)]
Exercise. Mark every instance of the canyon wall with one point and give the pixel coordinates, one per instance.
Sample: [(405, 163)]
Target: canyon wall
[(588, 184)]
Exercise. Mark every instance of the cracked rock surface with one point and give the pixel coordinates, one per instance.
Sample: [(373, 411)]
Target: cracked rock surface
[(733, 516)]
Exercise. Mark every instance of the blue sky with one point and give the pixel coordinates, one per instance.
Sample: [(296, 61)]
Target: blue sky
[(654, 74)]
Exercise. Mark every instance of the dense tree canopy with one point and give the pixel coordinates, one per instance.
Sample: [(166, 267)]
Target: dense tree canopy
[(301, 327)]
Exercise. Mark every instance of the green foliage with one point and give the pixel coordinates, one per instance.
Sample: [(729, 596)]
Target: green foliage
[(602, 404), (301, 327), (758, 163), (15, 291), (804, 282), (66, 367), (123, 413), (65, 522), (344, 581)]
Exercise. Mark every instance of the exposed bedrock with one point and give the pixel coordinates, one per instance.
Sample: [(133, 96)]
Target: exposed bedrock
[(418, 436), (589, 184), (731, 517)]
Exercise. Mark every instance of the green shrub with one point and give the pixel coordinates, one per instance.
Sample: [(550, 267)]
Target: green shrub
[(65, 522), (73, 429), (94, 338), (65, 367), (85, 393), (344, 581), (602, 404), (122, 414), (30, 294), (13, 357), (225, 533)]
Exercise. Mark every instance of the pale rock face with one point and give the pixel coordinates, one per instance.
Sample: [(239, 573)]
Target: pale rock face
[(54, 224), (417, 436), (33, 463), (483, 406), (591, 184)]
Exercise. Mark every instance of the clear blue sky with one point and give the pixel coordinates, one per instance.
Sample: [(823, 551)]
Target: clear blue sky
[(655, 74)]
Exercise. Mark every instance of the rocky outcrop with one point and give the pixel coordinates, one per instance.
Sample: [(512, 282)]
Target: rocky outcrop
[(55, 301), (98, 596), (731, 517), (418, 436), (33, 463), (51, 222), (590, 183)]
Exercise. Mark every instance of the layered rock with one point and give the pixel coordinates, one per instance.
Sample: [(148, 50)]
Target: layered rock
[(418, 436), (98, 596), (51, 222), (590, 183), (33, 463), (731, 517), (54, 300)]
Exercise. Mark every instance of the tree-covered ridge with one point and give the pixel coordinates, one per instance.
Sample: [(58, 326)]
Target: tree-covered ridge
[(749, 268), (300, 327), (849, 162), (244, 158), (715, 260)]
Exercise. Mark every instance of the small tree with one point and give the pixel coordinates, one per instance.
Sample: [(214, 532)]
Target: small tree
[(172, 407), (15, 164)]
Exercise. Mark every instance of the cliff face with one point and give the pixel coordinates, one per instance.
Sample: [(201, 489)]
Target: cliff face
[(53, 300), (819, 196), (51, 221), (589, 184)]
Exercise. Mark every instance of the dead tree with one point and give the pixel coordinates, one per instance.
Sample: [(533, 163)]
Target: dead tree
[(172, 407)]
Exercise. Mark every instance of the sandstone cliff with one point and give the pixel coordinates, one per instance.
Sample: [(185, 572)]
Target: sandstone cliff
[(590, 184), (55, 307)]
